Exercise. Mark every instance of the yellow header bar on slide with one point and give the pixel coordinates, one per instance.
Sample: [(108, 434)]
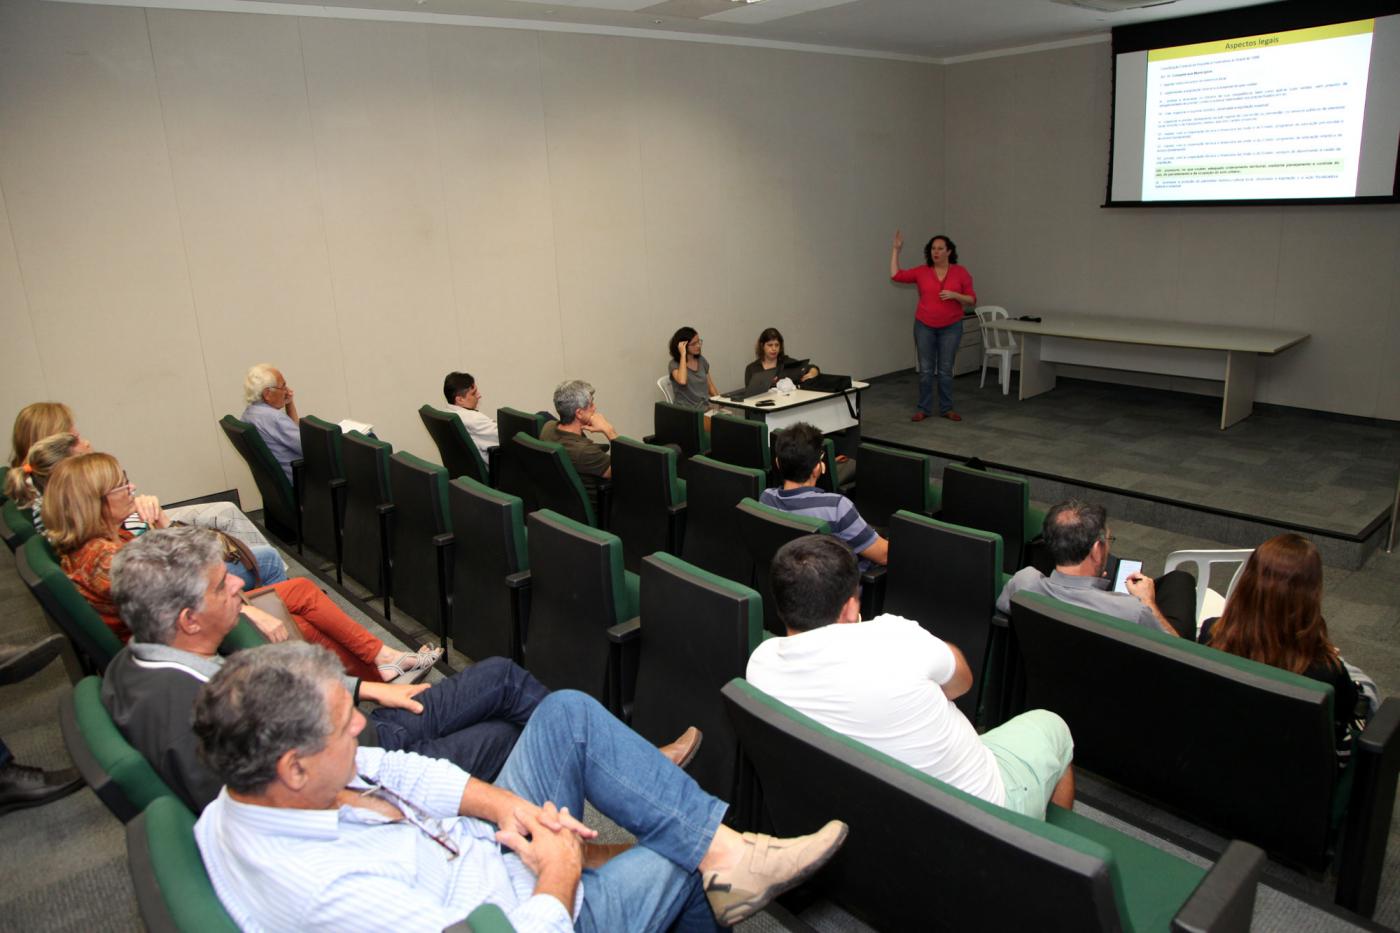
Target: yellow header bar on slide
[(1267, 40)]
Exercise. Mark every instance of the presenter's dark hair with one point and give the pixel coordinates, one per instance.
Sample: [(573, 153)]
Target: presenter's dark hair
[(812, 578), (952, 249), (769, 333), (455, 384), (1072, 528), (686, 334), (797, 450)]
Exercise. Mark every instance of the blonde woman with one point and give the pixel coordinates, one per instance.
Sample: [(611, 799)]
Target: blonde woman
[(36, 421)]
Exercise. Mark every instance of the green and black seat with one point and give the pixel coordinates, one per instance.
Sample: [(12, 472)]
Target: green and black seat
[(647, 507), (322, 494), (455, 446), (281, 513), (369, 506), (947, 578), (117, 773), (1240, 747), (16, 524), (891, 480), (713, 539), (764, 530), (510, 474), (685, 428), (490, 571), (697, 632), (554, 482), (741, 442), (421, 542), (923, 855), (993, 501), (94, 643), (580, 598)]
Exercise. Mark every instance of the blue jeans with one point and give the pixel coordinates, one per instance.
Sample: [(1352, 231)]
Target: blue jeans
[(270, 567), (937, 347), (573, 750), (471, 719)]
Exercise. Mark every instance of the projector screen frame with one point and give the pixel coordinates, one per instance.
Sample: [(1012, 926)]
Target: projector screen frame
[(1243, 21)]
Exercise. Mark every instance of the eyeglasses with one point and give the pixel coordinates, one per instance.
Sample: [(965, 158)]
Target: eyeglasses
[(1108, 539), (413, 816), (124, 487)]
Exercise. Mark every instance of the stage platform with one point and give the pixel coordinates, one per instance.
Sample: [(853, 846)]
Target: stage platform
[(1160, 458)]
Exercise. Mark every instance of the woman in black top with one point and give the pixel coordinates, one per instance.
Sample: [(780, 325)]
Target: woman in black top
[(768, 354), (1274, 616)]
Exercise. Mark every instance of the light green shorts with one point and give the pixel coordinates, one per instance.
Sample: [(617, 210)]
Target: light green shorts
[(1032, 750)]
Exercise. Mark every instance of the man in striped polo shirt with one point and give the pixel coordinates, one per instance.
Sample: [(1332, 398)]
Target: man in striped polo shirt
[(798, 452)]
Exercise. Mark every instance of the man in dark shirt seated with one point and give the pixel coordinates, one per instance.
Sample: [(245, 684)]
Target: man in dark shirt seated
[(573, 400)]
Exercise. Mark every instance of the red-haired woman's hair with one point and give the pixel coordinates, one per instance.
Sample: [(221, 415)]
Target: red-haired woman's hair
[(1275, 613)]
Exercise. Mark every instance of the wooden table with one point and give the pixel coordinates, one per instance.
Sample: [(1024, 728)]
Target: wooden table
[(1200, 351)]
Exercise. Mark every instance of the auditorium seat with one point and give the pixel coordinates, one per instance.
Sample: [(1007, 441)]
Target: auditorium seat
[(579, 591), (713, 540), (173, 890), (697, 632), (684, 427), (553, 481), (646, 502), (322, 488), (421, 541), (763, 530), (891, 480), (117, 773), (992, 501), (511, 476), (94, 643), (922, 854), (281, 514), (740, 442), (1240, 747), (491, 571), (458, 451), (368, 507), (947, 578), (16, 524)]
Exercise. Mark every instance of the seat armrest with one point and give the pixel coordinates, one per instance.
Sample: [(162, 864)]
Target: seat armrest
[(675, 527), (519, 585), (625, 652), (298, 468), (520, 580), (493, 465), (443, 546), (872, 592), (385, 511), (1224, 900), (1376, 759), (1000, 620), (625, 631), (604, 504)]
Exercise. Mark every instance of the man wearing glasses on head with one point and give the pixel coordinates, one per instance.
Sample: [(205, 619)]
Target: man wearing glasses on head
[(1078, 538)]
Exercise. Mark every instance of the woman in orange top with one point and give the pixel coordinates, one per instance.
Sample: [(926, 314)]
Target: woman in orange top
[(87, 499)]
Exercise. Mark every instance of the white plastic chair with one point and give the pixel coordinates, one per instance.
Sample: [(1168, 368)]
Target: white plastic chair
[(1209, 603), (664, 384), (998, 343)]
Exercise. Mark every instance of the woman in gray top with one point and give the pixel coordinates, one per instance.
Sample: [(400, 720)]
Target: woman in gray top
[(691, 384)]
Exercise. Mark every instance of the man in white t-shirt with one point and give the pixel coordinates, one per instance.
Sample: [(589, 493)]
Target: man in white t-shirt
[(463, 395), (891, 684)]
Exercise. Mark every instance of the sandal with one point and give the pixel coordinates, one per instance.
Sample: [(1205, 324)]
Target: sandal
[(409, 668)]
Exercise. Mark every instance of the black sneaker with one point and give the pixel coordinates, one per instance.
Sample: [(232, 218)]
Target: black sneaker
[(22, 786)]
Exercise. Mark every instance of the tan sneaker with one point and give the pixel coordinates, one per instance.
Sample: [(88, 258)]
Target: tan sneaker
[(768, 867)]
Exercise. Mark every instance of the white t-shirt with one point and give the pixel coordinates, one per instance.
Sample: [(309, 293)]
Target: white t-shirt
[(480, 427), (878, 682)]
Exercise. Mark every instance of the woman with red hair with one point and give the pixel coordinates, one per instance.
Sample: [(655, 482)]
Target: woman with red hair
[(1274, 616)]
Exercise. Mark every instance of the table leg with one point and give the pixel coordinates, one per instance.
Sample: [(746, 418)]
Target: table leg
[(1037, 375), (1238, 402)]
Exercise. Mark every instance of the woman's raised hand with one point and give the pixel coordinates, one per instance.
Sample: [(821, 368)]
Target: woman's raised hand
[(898, 240)]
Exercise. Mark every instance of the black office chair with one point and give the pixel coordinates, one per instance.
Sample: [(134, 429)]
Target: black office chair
[(421, 541), (740, 442), (647, 502), (891, 480), (322, 488), (455, 445), (368, 507), (684, 427), (764, 530), (281, 513), (491, 571), (698, 630), (712, 533), (510, 474), (580, 596), (995, 502), (554, 482), (947, 578)]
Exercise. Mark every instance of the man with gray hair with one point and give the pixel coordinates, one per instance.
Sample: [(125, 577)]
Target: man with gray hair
[(272, 409), (173, 590), (573, 400), (1079, 540), (312, 832)]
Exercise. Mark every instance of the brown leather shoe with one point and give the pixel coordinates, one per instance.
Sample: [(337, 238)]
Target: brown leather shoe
[(682, 750), (951, 416), (918, 416), (768, 867)]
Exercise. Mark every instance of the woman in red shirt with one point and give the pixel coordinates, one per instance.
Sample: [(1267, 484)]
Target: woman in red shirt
[(945, 292)]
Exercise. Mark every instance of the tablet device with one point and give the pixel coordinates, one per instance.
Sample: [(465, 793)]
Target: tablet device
[(1126, 568)]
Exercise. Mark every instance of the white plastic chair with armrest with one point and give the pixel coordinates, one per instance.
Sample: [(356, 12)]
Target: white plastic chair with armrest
[(998, 343), (1209, 603), (664, 384)]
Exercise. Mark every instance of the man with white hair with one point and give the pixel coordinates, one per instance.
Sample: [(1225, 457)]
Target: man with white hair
[(573, 400), (272, 409)]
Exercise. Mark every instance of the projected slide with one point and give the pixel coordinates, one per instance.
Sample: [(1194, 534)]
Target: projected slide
[(1258, 117)]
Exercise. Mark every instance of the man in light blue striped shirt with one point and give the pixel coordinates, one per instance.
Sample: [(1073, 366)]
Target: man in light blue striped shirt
[(313, 832)]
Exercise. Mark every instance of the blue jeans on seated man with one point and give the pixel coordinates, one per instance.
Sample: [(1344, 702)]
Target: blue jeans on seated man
[(471, 719), (574, 750), (271, 568), (937, 347)]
